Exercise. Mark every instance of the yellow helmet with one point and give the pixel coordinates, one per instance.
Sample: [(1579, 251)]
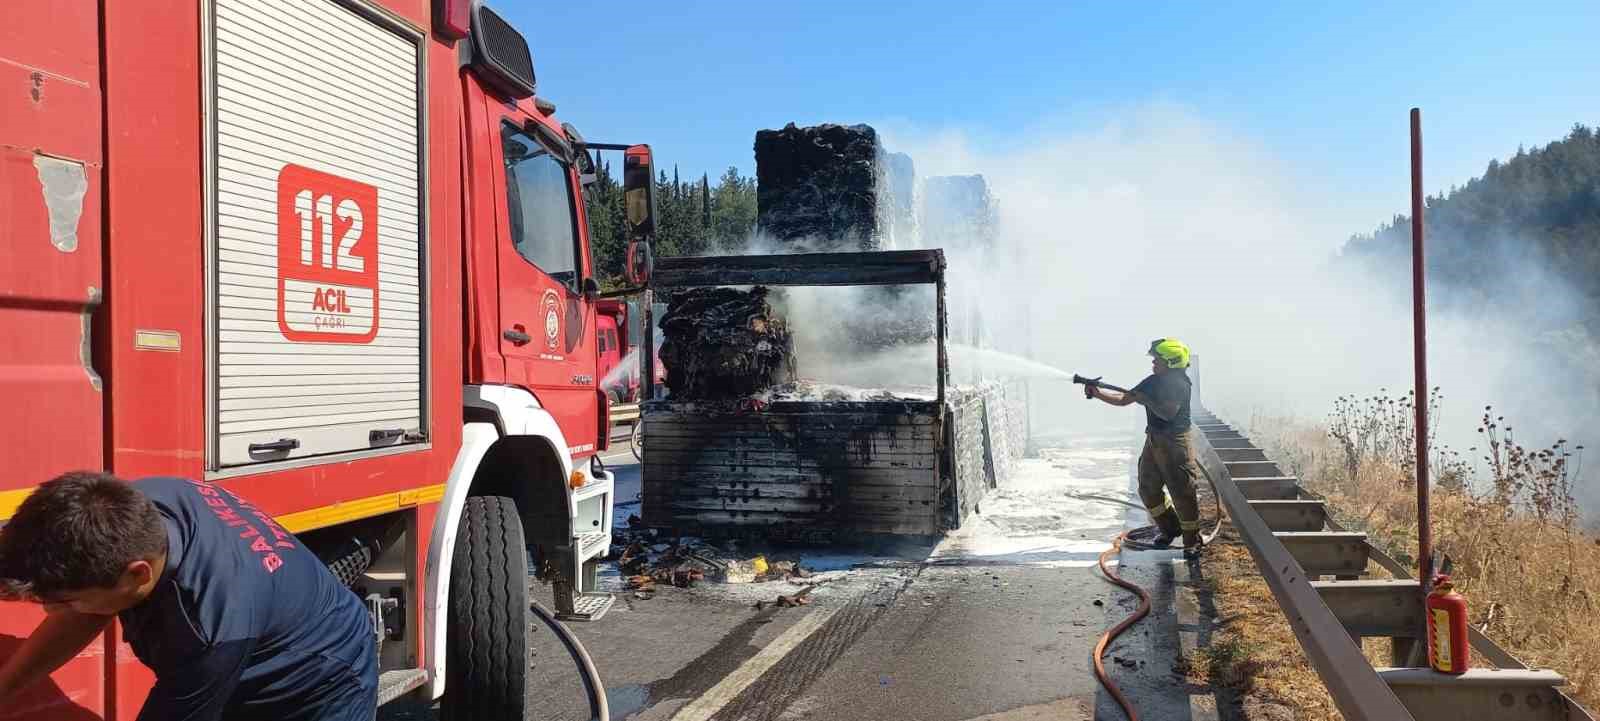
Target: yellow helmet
[(1171, 351)]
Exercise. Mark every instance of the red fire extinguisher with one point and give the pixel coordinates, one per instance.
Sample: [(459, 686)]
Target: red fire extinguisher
[(1447, 628)]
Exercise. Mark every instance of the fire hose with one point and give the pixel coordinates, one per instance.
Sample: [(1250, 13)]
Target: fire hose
[(1144, 596), (592, 686)]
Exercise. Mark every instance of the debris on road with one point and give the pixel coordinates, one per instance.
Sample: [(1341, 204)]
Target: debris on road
[(741, 571), (683, 562), (682, 577), (800, 598)]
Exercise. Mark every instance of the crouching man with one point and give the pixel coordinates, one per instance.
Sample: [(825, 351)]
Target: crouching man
[(1167, 469), (234, 616)]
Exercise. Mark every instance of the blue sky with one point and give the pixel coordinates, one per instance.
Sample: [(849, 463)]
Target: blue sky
[(1324, 90)]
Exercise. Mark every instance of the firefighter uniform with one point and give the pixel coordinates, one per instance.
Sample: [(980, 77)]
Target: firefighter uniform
[(245, 623), (1167, 469)]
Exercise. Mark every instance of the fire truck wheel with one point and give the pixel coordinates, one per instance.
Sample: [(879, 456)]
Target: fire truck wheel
[(486, 676), (636, 441)]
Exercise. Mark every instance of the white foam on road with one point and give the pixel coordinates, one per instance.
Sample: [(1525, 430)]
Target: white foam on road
[(1041, 515)]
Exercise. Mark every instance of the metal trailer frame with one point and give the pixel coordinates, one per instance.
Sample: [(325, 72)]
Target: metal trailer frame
[(885, 267), (842, 483)]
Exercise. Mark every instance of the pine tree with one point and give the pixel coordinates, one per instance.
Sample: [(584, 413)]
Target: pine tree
[(705, 202), (733, 211)]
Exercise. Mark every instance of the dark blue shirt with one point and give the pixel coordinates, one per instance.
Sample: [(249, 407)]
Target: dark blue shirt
[(1166, 389), (245, 622)]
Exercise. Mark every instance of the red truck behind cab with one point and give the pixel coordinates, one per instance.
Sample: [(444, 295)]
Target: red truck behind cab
[(612, 319), (619, 361), (331, 255)]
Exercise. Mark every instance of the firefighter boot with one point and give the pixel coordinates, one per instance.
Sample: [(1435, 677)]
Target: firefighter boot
[(1192, 543)]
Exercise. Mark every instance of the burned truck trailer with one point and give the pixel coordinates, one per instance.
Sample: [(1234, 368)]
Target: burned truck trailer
[(814, 471)]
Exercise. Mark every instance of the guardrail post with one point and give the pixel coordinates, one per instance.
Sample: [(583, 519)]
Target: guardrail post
[(1402, 651), (1292, 515)]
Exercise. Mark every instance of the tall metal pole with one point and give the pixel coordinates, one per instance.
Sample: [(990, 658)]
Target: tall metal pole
[(647, 348), (1420, 324)]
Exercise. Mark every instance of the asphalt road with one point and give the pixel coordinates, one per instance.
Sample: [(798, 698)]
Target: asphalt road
[(996, 622)]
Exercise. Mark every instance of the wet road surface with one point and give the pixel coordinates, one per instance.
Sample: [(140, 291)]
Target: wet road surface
[(997, 622)]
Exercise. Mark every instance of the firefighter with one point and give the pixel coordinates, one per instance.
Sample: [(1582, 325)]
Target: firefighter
[(1167, 469), (237, 619)]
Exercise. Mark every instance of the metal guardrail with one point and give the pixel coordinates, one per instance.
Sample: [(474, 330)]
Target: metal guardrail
[(1480, 643), (1374, 608), (624, 413), (1356, 688)]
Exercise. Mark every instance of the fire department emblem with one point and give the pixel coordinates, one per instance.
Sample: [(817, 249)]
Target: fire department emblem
[(552, 320)]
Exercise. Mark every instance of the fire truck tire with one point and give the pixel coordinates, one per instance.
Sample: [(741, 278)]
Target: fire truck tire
[(487, 660)]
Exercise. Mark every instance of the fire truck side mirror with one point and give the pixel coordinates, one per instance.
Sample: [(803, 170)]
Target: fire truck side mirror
[(639, 200), (638, 193)]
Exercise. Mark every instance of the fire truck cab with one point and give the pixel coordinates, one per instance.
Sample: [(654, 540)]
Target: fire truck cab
[(331, 255)]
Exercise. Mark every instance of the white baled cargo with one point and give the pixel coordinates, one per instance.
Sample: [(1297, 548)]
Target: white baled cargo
[(317, 233)]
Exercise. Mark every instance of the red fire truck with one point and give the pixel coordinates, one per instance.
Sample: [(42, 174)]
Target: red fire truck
[(332, 255), (619, 361)]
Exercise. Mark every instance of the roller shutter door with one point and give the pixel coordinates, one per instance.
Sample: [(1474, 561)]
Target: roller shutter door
[(318, 305)]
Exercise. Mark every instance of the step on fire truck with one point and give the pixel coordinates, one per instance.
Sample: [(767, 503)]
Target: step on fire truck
[(331, 254)]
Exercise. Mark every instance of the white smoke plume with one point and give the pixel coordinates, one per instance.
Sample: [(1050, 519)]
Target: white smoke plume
[(1164, 224)]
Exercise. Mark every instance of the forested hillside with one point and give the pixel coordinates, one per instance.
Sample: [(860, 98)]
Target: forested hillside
[(1510, 237)]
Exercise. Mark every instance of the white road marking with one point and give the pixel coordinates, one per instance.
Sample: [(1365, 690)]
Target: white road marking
[(712, 701)]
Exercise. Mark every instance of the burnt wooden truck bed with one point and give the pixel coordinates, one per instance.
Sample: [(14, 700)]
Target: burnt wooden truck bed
[(806, 471), (799, 470)]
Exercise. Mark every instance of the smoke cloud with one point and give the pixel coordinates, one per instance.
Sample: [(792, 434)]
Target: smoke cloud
[(1164, 224)]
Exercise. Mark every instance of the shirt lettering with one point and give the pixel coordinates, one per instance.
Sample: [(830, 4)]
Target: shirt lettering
[(229, 509)]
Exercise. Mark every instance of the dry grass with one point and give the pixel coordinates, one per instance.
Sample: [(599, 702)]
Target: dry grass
[(1252, 651), (1511, 532)]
